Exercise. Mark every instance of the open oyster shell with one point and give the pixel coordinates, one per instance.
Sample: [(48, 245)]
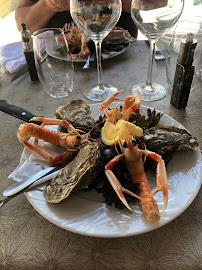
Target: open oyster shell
[(76, 175), (168, 138), (77, 112)]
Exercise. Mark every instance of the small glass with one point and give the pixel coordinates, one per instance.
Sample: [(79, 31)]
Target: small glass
[(53, 62)]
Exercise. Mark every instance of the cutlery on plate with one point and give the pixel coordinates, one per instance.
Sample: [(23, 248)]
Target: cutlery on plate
[(20, 187), (17, 112)]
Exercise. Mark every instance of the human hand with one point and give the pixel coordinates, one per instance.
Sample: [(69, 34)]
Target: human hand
[(58, 5)]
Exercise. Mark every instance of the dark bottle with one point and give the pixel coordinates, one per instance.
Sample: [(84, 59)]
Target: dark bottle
[(28, 52), (184, 73)]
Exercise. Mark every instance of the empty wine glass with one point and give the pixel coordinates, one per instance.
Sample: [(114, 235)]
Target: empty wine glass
[(53, 62), (154, 19), (96, 18)]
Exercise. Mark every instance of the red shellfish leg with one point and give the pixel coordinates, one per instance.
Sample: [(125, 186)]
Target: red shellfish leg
[(131, 104), (37, 149), (53, 121), (109, 100), (161, 175), (40, 151), (115, 182)]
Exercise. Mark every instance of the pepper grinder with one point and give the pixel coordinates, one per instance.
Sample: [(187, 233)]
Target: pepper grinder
[(28, 52), (184, 73)]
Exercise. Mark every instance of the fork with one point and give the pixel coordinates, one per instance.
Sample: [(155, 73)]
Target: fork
[(87, 64), (158, 55)]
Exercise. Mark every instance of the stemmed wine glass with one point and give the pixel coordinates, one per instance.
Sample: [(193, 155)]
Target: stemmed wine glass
[(96, 18), (154, 19)]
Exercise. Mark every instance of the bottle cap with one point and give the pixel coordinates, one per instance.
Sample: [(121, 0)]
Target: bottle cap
[(186, 55), (26, 39)]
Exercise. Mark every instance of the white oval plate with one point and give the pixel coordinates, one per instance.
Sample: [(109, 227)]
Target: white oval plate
[(105, 56), (86, 212)]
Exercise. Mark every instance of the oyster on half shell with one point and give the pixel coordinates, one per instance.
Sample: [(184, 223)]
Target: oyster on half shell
[(76, 175), (168, 138), (77, 112)]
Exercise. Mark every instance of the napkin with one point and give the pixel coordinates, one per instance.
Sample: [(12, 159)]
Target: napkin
[(30, 163), (12, 56)]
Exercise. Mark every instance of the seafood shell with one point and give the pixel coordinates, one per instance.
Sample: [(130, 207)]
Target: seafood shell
[(76, 175), (77, 112), (169, 138)]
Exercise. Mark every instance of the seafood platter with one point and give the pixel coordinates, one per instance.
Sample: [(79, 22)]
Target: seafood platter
[(82, 47), (128, 169)]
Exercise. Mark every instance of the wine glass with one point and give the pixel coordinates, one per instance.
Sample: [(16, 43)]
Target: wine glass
[(96, 18), (53, 62), (154, 19)]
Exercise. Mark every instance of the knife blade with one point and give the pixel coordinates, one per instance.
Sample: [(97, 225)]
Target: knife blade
[(21, 186), (17, 112), (21, 71)]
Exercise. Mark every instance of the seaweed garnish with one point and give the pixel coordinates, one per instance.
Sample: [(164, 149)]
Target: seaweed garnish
[(143, 122)]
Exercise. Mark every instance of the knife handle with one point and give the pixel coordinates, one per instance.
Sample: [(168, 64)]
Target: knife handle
[(17, 111)]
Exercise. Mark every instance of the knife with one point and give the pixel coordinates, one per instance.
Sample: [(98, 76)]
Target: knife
[(21, 71), (18, 188), (17, 112)]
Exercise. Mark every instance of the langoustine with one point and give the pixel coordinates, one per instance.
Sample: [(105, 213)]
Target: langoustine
[(133, 158), (72, 140)]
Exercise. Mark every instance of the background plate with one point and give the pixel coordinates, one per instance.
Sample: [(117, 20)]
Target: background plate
[(106, 55), (86, 212)]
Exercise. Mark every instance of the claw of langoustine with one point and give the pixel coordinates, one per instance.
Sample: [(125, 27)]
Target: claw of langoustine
[(118, 188), (131, 104), (161, 180), (161, 175), (109, 100)]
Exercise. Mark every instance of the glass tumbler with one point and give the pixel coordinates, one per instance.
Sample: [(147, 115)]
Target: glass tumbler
[(53, 62)]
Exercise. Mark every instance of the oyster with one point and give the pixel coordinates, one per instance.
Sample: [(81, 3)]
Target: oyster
[(76, 175), (77, 112), (168, 138)]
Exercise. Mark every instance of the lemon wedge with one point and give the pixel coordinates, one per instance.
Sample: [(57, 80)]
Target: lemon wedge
[(125, 126), (110, 133)]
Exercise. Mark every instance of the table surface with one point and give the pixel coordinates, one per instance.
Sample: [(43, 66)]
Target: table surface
[(29, 241)]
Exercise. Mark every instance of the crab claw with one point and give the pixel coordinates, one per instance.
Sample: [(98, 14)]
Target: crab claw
[(119, 189)]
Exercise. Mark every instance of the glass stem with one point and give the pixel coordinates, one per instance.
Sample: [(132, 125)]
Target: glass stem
[(98, 56), (151, 60)]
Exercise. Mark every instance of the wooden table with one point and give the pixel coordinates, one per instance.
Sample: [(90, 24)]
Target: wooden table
[(29, 241)]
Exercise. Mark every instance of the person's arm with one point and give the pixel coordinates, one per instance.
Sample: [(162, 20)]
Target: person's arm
[(37, 15)]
